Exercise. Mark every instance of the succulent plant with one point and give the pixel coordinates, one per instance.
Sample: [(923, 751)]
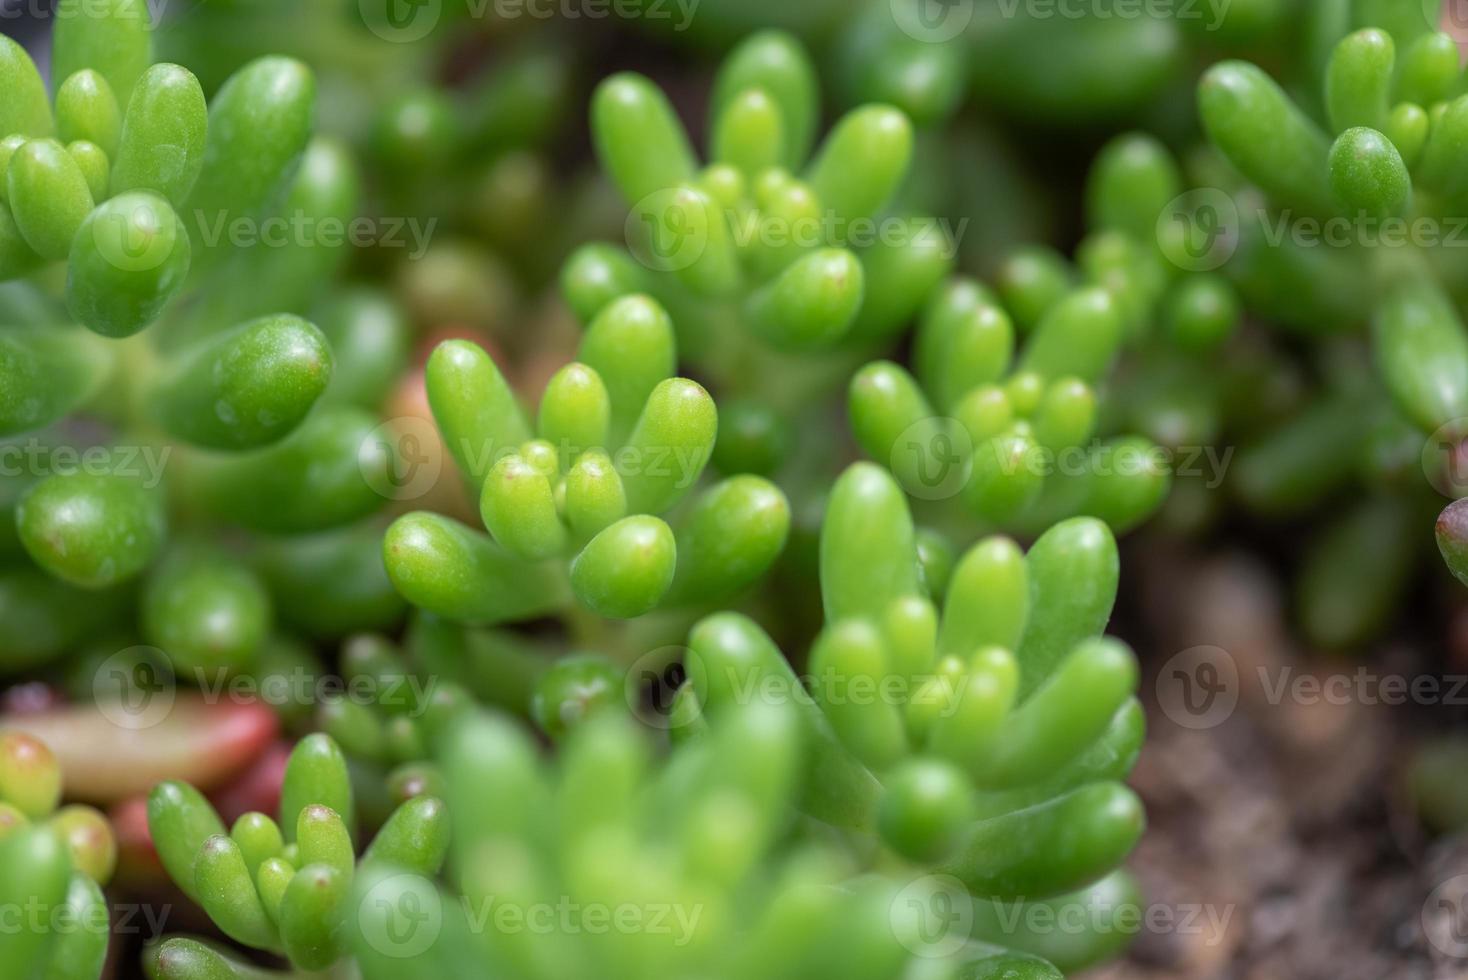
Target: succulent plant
[(53, 863)]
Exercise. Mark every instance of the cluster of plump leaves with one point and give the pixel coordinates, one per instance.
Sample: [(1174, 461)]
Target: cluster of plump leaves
[(262, 418), (283, 886), (704, 837), (759, 254), (571, 503), (1376, 144), (995, 432), (53, 864), (972, 718), (1000, 765)]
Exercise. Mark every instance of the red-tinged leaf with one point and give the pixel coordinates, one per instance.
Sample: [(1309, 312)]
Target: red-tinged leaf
[(200, 742)]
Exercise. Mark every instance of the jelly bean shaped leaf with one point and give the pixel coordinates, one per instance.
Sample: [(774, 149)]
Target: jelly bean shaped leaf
[(1132, 181), (27, 110), (812, 304), (128, 260), (638, 137), (1265, 135), (1053, 848), (247, 387), (48, 195), (449, 569), (733, 535), (475, 410), (1368, 175), (313, 914), (207, 610), (862, 162), (1073, 570), (415, 837), (669, 446), (596, 274), (226, 890), (868, 554), (1422, 351), (1359, 80), (626, 570), (519, 509), (926, 807), (87, 109), (630, 346), (34, 874), (30, 777), (180, 820), (115, 37), (258, 126), (775, 63), (163, 138), (849, 662), (1078, 337), (575, 412), (92, 531)]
